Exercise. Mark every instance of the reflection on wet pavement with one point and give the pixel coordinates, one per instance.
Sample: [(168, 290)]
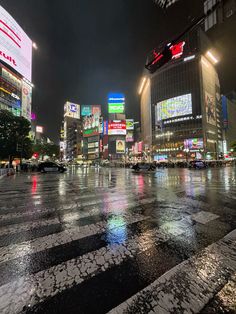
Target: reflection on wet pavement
[(94, 240)]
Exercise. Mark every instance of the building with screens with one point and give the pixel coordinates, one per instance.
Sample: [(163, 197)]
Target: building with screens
[(181, 102)]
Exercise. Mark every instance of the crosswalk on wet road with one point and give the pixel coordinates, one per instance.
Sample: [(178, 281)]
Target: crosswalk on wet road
[(107, 240)]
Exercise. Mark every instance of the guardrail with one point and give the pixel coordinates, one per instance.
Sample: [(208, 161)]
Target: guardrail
[(6, 172)]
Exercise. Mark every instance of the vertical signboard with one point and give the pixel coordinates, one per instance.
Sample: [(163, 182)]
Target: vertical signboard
[(210, 108), (120, 146), (26, 100)]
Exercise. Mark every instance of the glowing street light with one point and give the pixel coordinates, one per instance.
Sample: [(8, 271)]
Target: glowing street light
[(212, 57), (142, 85), (34, 45)]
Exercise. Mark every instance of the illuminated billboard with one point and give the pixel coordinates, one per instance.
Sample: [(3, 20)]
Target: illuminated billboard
[(193, 143), (88, 110), (15, 45), (129, 136), (117, 127), (120, 146), (174, 107), (72, 110), (210, 109), (129, 124), (26, 100), (116, 103), (91, 125), (39, 129)]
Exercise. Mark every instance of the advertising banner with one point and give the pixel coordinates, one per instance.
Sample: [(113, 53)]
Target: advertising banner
[(129, 136), (72, 110), (86, 110), (116, 103), (26, 100), (174, 107), (129, 124), (15, 45), (120, 146), (117, 127), (91, 125), (193, 143), (210, 108)]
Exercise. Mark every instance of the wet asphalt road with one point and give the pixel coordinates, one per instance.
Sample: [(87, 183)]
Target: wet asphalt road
[(100, 240)]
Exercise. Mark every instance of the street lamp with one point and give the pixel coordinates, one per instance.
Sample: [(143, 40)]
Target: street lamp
[(34, 45)]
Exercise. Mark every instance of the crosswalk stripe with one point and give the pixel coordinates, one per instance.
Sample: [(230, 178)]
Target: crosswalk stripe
[(47, 283), (196, 280), (40, 244), (115, 204)]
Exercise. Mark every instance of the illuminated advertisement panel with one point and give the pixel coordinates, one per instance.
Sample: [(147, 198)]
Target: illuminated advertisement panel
[(91, 125), (26, 100), (193, 143), (210, 109), (117, 127), (116, 103), (15, 45), (174, 107), (39, 129), (86, 110), (72, 110), (120, 146), (129, 136), (129, 124)]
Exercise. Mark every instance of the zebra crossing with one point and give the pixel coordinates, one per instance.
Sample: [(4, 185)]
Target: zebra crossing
[(110, 241)]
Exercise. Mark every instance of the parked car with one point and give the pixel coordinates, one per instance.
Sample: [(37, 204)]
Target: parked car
[(50, 166), (197, 164)]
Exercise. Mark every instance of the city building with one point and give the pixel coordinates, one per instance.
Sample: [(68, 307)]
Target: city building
[(72, 132), (116, 127), (181, 112), (92, 131), (220, 28), (229, 118), (15, 67)]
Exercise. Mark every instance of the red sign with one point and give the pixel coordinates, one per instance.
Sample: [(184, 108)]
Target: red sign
[(117, 127), (177, 50)]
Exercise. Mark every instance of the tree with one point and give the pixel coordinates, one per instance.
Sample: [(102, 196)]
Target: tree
[(14, 136), (233, 146), (48, 149)]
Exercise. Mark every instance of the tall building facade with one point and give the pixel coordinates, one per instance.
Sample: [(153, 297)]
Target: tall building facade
[(72, 132), (186, 115), (229, 118), (15, 67)]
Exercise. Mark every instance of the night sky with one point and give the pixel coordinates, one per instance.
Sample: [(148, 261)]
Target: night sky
[(88, 48)]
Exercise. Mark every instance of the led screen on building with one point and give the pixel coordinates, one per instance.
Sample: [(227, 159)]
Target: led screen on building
[(193, 143), (91, 125), (88, 110), (116, 103), (129, 136), (129, 124), (15, 45), (117, 127), (174, 107), (72, 110)]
